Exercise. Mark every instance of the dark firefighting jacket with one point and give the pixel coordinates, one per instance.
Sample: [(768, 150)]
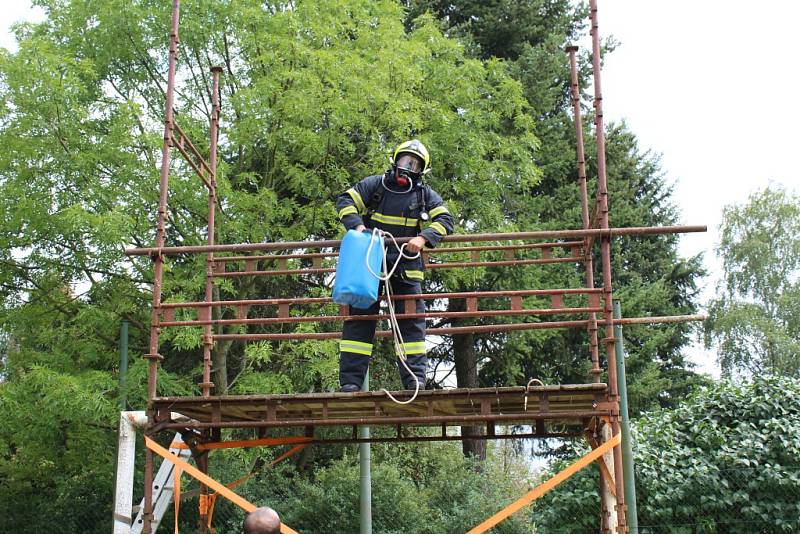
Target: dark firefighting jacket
[(393, 210)]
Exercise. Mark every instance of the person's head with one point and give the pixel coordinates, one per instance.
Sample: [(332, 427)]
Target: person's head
[(262, 520), (410, 162)]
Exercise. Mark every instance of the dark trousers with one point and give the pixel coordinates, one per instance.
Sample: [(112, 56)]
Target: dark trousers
[(357, 339)]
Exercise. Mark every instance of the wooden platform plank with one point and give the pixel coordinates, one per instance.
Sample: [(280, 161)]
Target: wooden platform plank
[(565, 403)]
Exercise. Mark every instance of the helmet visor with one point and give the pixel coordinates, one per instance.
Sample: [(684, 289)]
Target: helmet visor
[(409, 163)]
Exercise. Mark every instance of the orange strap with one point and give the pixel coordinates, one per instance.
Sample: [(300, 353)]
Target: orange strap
[(202, 503), (212, 502), (207, 480), (176, 493), (541, 489)]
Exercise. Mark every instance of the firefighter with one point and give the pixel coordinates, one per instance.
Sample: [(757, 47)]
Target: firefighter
[(398, 202)]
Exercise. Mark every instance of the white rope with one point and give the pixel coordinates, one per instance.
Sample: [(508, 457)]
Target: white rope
[(395, 327), (527, 389)]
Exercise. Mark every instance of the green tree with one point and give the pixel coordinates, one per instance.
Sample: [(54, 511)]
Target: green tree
[(755, 320), (504, 29), (725, 460)]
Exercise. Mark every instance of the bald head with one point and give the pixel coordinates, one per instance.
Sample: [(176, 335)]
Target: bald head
[(262, 520)]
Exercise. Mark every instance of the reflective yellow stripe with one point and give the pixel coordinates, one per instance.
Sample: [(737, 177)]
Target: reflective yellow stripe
[(357, 343), (438, 228), (415, 275), (347, 210), (389, 219), (437, 211), (357, 347), (414, 347), (357, 199)]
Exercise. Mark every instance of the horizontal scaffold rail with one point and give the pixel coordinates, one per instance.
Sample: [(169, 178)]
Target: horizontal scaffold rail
[(378, 317), (242, 308), (425, 296), (570, 407), (441, 250), (513, 327), (473, 238), (428, 265)]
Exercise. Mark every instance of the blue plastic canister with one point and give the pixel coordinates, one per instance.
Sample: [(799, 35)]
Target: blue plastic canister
[(354, 284)]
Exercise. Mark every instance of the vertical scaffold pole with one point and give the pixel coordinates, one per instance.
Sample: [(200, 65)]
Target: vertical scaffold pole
[(591, 329), (208, 339), (576, 108), (605, 250), (158, 268)]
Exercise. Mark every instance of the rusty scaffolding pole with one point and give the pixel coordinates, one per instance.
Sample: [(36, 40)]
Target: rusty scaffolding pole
[(605, 252), (575, 94), (158, 261), (579, 409)]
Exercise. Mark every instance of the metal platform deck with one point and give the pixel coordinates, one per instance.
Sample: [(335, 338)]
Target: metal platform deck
[(566, 405)]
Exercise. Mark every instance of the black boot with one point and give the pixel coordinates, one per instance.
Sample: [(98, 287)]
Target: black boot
[(410, 384)]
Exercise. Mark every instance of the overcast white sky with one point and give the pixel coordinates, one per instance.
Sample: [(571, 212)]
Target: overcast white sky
[(708, 84), (712, 86)]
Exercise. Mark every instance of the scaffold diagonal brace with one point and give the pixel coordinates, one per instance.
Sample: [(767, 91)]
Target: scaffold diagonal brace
[(236, 499), (543, 488)]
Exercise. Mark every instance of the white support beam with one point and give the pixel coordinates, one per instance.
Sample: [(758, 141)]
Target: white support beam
[(126, 456), (163, 489)]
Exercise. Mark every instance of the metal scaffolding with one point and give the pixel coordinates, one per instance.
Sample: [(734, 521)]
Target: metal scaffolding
[(572, 409)]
